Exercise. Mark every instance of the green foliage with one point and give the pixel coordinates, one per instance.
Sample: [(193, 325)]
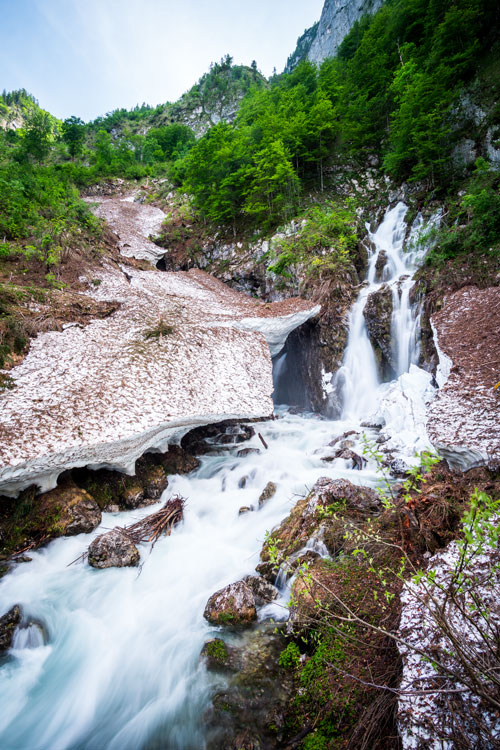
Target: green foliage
[(217, 650), (392, 90), (326, 240), (73, 133), (37, 134), (472, 225), (290, 656)]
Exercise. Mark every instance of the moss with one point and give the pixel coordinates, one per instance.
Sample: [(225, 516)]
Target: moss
[(217, 650), (226, 617)]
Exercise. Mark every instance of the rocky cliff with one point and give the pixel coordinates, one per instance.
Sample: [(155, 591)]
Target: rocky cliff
[(324, 38)]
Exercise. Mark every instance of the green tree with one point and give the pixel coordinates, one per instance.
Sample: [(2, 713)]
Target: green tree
[(73, 133), (37, 134)]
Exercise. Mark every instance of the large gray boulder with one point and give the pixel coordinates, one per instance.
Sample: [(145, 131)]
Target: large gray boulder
[(232, 605), (113, 550)]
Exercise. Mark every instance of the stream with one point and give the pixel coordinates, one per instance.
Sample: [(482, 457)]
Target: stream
[(117, 664)]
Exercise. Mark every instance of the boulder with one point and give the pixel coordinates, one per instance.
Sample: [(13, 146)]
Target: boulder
[(248, 709), (178, 461), (218, 656), (329, 491), (267, 493), (245, 509), (348, 455), (232, 605), (113, 550), (380, 265), (263, 591), (8, 624), (308, 519), (154, 481), (74, 511)]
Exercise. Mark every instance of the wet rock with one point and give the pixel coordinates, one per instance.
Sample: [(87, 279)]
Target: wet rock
[(23, 559), (219, 656), (243, 481), (374, 423), (245, 509), (112, 508), (250, 711), (380, 265), (232, 605), (267, 493), (263, 591), (349, 455), (267, 570), (378, 318), (308, 519), (247, 452), (8, 625), (152, 477), (205, 439), (398, 467), (340, 438), (347, 444), (113, 550), (177, 460), (133, 496), (74, 511)]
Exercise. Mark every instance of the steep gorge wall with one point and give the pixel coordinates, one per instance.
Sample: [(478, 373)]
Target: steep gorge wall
[(324, 38)]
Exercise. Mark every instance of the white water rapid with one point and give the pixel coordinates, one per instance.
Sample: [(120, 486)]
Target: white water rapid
[(116, 666), (358, 378)]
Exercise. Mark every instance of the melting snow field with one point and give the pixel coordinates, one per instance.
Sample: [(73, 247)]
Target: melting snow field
[(104, 394)]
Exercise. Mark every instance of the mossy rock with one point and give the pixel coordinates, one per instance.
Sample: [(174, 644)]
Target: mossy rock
[(233, 605), (32, 518)]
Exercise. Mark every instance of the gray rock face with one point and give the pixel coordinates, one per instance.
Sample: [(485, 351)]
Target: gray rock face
[(113, 550), (337, 19), (232, 605), (263, 591), (378, 317), (8, 624)]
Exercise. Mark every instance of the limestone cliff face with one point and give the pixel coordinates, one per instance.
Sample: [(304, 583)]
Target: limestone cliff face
[(324, 38)]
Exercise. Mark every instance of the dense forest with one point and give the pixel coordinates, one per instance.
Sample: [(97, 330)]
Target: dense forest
[(394, 96)]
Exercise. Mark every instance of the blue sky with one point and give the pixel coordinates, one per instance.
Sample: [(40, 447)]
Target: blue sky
[(87, 57)]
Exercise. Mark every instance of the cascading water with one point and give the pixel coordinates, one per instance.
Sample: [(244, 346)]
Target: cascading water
[(117, 665), (358, 378), (121, 669)]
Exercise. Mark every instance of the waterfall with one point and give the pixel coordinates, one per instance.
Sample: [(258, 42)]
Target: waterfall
[(358, 378)]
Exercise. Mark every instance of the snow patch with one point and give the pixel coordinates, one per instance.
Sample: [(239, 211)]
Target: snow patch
[(424, 720), (276, 330), (444, 362), (402, 410)]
